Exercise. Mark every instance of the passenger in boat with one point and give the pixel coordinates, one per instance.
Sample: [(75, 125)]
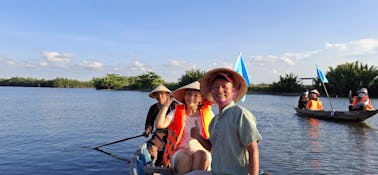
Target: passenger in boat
[(234, 135), (183, 153), (155, 145), (361, 101), (303, 99), (314, 102)]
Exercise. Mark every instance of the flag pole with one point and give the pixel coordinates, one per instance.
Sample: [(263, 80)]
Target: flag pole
[(323, 80), (325, 89)]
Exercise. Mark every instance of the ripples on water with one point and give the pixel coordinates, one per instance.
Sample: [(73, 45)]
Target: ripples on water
[(52, 131)]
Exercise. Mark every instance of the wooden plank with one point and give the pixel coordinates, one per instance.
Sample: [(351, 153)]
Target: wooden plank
[(163, 170)]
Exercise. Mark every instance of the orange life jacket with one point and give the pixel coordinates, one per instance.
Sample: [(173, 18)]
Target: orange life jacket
[(314, 105), (177, 127), (368, 107)]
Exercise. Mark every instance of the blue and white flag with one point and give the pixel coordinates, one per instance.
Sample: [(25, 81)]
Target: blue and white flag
[(242, 70), (320, 74)]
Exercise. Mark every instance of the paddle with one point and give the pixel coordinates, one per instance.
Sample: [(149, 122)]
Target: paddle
[(96, 148), (113, 155)]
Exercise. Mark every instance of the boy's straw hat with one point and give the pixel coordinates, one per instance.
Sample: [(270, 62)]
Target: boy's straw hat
[(237, 80)]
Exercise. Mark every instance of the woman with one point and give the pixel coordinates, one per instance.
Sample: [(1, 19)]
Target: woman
[(182, 152), (314, 102)]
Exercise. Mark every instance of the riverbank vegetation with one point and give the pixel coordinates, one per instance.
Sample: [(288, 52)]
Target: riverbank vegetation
[(342, 79)]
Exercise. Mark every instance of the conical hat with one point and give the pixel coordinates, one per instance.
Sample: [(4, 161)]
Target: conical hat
[(315, 92), (160, 88), (238, 81), (180, 92)]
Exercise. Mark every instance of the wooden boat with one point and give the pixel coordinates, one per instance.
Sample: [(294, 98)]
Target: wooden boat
[(141, 164), (352, 116)]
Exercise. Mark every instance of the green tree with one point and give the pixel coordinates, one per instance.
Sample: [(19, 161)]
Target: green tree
[(289, 83), (147, 81), (353, 76), (191, 76), (110, 81)]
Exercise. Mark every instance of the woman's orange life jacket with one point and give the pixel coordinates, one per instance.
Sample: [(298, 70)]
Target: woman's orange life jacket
[(368, 106), (177, 127), (314, 105)]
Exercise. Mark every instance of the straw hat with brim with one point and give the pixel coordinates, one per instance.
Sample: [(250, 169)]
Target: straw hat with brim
[(238, 81), (160, 88), (314, 91), (179, 93)]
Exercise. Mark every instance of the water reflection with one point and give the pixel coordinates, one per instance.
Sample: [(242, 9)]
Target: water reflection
[(314, 146)]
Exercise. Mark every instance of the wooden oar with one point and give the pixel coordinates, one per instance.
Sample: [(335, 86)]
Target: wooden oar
[(96, 148), (113, 155)]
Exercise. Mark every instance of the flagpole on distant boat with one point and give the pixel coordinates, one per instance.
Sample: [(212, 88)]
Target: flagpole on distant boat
[(325, 89), (324, 80)]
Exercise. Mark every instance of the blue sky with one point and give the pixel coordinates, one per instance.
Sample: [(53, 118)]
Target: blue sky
[(82, 39)]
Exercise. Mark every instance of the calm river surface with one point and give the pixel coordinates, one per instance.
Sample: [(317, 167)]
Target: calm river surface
[(53, 131)]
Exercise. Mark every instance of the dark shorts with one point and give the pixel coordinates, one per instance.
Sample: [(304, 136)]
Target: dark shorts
[(158, 139)]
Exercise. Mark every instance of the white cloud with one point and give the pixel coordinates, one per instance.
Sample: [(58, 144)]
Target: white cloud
[(55, 57), (265, 59), (29, 65), (10, 62), (287, 61), (175, 64), (43, 64), (359, 47), (289, 58), (92, 65), (300, 55), (6, 60), (116, 69), (138, 66), (222, 64)]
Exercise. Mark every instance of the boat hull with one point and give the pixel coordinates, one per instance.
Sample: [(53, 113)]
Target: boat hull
[(352, 116)]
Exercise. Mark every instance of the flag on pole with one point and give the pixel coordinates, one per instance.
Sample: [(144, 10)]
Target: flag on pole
[(321, 76), (240, 68)]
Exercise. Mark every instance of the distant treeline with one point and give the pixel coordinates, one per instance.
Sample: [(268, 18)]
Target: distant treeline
[(56, 83), (342, 79)]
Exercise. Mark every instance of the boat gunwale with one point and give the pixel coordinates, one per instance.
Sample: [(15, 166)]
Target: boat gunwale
[(351, 116)]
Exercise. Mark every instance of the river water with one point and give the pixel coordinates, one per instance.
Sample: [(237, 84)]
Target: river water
[(53, 131)]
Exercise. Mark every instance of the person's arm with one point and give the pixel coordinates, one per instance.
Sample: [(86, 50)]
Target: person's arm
[(195, 133), (254, 163), (150, 119), (162, 121), (350, 97)]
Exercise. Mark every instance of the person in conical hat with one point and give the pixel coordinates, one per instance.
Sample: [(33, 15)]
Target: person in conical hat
[(183, 153), (314, 102), (158, 139), (158, 89), (234, 135)]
